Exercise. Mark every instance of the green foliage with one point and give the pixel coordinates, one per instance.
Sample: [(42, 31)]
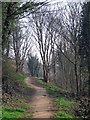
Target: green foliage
[(21, 76), (41, 82), (15, 112), (23, 103), (62, 114), (52, 89), (65, 108), (62, 102), (10, 109), (9, 112), (28, 85), (34, 65)]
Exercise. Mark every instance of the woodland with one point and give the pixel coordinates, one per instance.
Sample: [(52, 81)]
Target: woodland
[(45, 46)]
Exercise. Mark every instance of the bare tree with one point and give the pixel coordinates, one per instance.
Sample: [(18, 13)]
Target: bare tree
[(22, 46), (67, 26), (44, 35)]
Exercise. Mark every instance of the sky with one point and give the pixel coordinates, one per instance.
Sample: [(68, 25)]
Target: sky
[(55, 1)]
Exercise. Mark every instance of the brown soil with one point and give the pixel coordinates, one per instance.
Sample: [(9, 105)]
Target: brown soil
[(41, 103)]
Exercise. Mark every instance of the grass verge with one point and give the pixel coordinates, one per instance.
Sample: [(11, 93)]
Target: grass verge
[(16, 111), (9, 112), (65, 108)]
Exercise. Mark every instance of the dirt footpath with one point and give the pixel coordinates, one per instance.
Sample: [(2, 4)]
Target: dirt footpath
[(41, 104)]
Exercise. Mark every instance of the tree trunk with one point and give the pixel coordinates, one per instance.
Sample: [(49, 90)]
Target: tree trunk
[(21, 67), (80, 84), (76, 78), (54, 70), (76, 75), (8, 48), (45, 73), (17, 66)]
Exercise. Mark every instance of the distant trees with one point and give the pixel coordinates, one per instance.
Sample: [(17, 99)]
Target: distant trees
[(34, 66)]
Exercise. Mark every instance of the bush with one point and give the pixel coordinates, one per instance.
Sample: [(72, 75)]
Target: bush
[(21, 76)]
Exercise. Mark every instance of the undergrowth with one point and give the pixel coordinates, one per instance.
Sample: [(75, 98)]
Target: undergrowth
[(65, 108), (16, 111), (21, 76), (15, 92), (10, 112)]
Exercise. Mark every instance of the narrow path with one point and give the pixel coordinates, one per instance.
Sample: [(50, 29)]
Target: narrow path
[(41, 104)]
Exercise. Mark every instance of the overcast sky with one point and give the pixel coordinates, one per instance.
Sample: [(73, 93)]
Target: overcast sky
[(55, 1)]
